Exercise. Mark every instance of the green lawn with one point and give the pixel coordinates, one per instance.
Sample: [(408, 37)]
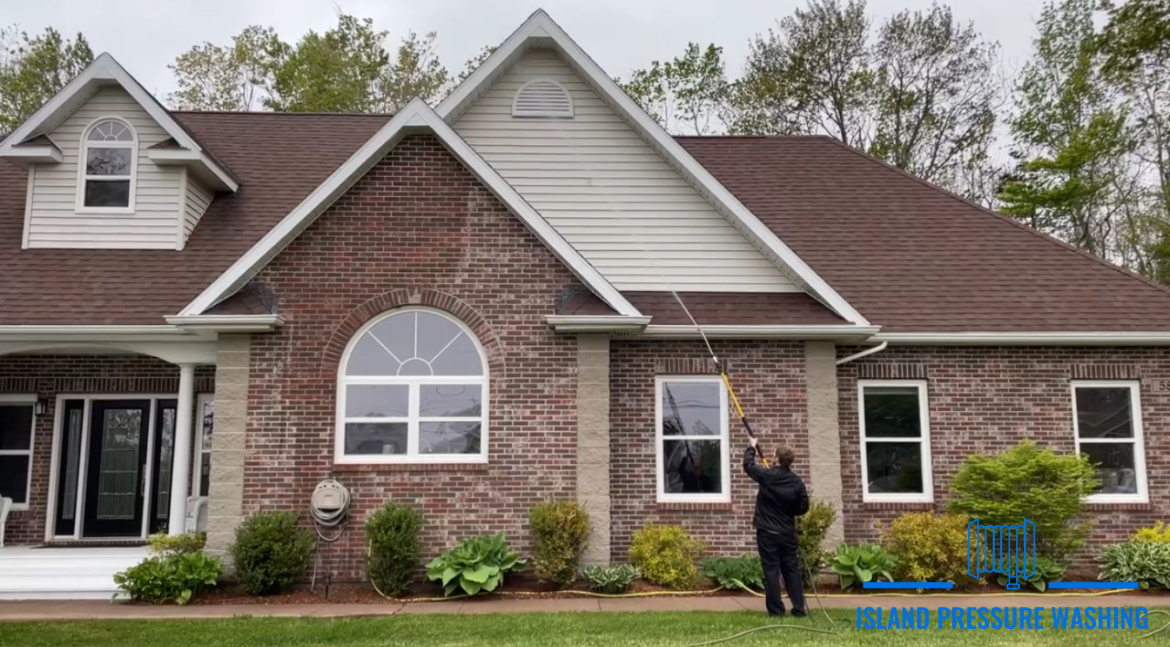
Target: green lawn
[(565, 629)]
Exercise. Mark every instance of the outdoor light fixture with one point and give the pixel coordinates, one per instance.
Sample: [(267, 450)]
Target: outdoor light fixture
[(41, 406)]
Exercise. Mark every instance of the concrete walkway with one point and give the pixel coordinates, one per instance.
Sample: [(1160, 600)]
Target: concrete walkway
[(98, 610)]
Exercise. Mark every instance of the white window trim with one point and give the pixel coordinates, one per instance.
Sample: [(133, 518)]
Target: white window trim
[(1139, 450), (29, 399), (724, 442), (927, 496), (413, 419), (82, 178)]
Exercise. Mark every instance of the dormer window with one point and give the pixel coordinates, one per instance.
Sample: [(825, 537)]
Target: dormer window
[(109, 160)]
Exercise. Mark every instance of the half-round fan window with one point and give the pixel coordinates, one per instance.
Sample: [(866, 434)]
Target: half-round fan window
[(413, 388), (542, 98)]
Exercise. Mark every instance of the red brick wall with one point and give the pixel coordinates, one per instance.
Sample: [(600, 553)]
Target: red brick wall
[(985, 400), (417, 224), (48, 376), (768, 377)]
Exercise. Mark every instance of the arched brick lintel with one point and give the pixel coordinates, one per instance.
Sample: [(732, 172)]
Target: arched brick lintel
[(414, 296)]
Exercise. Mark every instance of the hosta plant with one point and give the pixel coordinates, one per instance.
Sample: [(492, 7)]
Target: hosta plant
[(476, 565), (743, 572), (610, 579), (1145, 562), (861, 564), (1046, 570)]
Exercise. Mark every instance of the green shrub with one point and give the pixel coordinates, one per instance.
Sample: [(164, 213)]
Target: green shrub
[(164, 544), (559, 531), (476, 565), (177, 577), (666, 555), (393, 556), (744, 572), (1145, 562), (861, 564), (1047, 570), (929, 547), (610, 579), (271, 552), (1160, 532), (1028, 482), (811, 529)]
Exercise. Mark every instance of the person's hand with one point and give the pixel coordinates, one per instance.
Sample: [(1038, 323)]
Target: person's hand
[(752, 442)]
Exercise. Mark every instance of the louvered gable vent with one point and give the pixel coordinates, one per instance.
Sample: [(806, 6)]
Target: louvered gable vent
[(542, 98)]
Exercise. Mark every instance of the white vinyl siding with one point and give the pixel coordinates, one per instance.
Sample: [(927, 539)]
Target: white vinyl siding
[(53, 220), (198, 199), (609, 193)]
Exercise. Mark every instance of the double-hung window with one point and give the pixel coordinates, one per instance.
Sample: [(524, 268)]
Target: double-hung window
[(109, 165), (692, 442), (1107, 424), (16, 442), (895, 441)]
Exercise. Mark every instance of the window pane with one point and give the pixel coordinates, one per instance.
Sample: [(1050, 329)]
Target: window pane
[(111, 131), (692, 467), (208, 430), (108, 161), (892, 412), (397, 335), (14, 478), (449, 437), (1115, 466), (691, 408), (16, 426), (375, 437), (460, 358), (1104, 413), (894, 467), (450, 400), (434, 333), (107, 193), (377, 401)]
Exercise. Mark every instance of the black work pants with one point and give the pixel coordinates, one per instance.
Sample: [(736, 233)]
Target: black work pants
[(780, 558)]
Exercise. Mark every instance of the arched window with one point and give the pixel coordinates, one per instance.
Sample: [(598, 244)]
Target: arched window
[(109, 162), (413, 388)]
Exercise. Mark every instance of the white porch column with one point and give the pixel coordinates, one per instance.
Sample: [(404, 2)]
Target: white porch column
[(181, 468)]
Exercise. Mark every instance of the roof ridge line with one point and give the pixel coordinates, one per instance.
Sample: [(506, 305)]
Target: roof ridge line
[(1002, 218)]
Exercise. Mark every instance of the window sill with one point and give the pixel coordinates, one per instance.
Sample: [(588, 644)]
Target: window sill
[(1103, 506), (694, 506), (911, 506), (95, 211), (359, 468)]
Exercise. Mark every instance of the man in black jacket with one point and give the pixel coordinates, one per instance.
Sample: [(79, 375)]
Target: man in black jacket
[(782, 498)]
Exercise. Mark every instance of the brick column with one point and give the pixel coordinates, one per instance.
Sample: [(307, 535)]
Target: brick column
[(593, 443), (824, 436), (226, 487)]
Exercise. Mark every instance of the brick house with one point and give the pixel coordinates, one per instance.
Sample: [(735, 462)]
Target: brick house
[(468, 308)]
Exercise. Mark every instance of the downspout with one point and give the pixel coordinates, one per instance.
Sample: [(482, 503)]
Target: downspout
[(869, 351)]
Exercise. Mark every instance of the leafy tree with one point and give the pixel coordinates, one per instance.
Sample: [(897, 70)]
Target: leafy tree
[(1070, 135), (415, 72), (33, 69), (686, 94), (225, 78), (474, 62), (340, 70)]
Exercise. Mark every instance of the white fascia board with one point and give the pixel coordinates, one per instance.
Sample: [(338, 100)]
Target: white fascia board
[(541, 26), (416, 115), (104, 69), (1120, 338), (95, 333), (228, 323), (597, 323), (847, 333), (196, 160)]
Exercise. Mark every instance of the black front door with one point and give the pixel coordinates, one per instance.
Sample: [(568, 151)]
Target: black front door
[(163, 460), (116, 479)]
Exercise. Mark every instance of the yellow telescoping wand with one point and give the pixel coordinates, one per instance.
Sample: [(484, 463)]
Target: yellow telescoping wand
[(747, 426)]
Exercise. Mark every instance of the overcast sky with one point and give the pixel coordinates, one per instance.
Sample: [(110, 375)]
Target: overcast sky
[(621, 35)]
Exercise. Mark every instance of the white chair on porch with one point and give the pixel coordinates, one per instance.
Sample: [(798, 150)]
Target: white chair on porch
[(196, 514), (5, 506)]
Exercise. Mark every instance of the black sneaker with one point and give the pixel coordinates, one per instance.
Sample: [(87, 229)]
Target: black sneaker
[(801, 613)]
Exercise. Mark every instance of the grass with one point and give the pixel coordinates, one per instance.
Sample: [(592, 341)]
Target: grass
[(527, 630)]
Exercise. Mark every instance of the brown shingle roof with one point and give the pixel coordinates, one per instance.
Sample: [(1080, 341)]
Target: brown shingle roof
[(279, 160), (739, 309), (911, 257)]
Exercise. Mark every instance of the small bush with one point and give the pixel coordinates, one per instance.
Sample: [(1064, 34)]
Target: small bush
[(164, 544), (1145, 562), (271, 552), (744, 572), (929, 547), (1159, 533), (559, 531), (811, 529), (393, 558), (1028, 482), (861, 564), (178, 577), (666, 555), (610, 579), (476, 565), (1046, 570)]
